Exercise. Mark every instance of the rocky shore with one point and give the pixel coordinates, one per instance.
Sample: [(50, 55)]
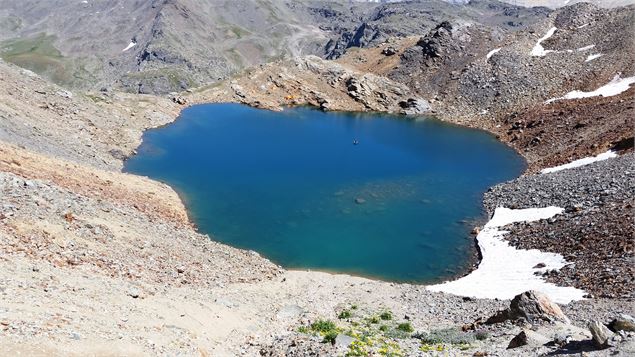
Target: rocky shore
[(97, 262), (593, 232)]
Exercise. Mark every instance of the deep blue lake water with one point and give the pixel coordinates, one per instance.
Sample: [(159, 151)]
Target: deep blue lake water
[(292, 186)]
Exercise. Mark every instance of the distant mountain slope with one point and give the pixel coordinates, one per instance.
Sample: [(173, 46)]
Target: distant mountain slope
[(560, 3), (159, 46)]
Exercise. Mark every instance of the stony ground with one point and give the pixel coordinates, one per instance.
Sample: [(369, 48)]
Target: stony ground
[(98, 129), (596, 231), (96, 262), (84, 274)]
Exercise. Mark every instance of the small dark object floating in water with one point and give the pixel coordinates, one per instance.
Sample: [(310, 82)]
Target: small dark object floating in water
[(355, 142)]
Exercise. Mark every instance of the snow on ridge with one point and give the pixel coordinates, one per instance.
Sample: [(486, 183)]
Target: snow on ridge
[(593, 56), (130, 45), (505, 271), (581, 162), (538, 50), (492, 52), (616, 86), (585, 48)]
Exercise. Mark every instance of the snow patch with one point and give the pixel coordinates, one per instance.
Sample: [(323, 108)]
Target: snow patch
[(130, 45), (614, 87), (538, 50), (581, 162), (585, 48), (506, 271), (592, 57), (492, 52)]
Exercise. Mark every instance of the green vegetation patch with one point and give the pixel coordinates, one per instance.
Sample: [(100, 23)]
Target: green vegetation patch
[(37, 54), (369, 336), (405, 327), (437, 340), (378, 334), (325, 328), (346, 314)]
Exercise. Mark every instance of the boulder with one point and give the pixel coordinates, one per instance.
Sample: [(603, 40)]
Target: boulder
[(532, 306), (528, 338), (600, 333), (343, 341), (179, 100), (414, 106), (290, 312), (134, 292), (389, 51), (623, 323)]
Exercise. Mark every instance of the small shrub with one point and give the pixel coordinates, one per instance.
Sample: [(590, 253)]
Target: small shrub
[(386, 316), (373, 320), (448, 336), (303, 329), (389, 349), (323, 326), (430, 348), (397, 334), (353, 307), (344, 315), (358, 348), (405, 327), (384, 328), (481, 335), (330, 336)]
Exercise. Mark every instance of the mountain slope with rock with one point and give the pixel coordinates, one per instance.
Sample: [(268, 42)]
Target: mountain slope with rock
[(162, 46), (477, 75), (98, 262)]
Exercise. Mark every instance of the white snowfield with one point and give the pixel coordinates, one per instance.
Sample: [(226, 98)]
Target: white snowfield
[(593, 56), (130, 45), (538, 50), (492, 52), (581, 162), (616, 86), (506, 271)]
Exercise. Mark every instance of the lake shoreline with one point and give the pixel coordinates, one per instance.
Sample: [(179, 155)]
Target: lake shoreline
[(446, 139)]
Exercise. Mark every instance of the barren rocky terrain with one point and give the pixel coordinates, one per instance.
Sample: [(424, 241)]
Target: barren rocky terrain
[(98, 262), (141, 46)]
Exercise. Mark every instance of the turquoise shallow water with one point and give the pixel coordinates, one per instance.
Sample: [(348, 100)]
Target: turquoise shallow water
[(285, 184)]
